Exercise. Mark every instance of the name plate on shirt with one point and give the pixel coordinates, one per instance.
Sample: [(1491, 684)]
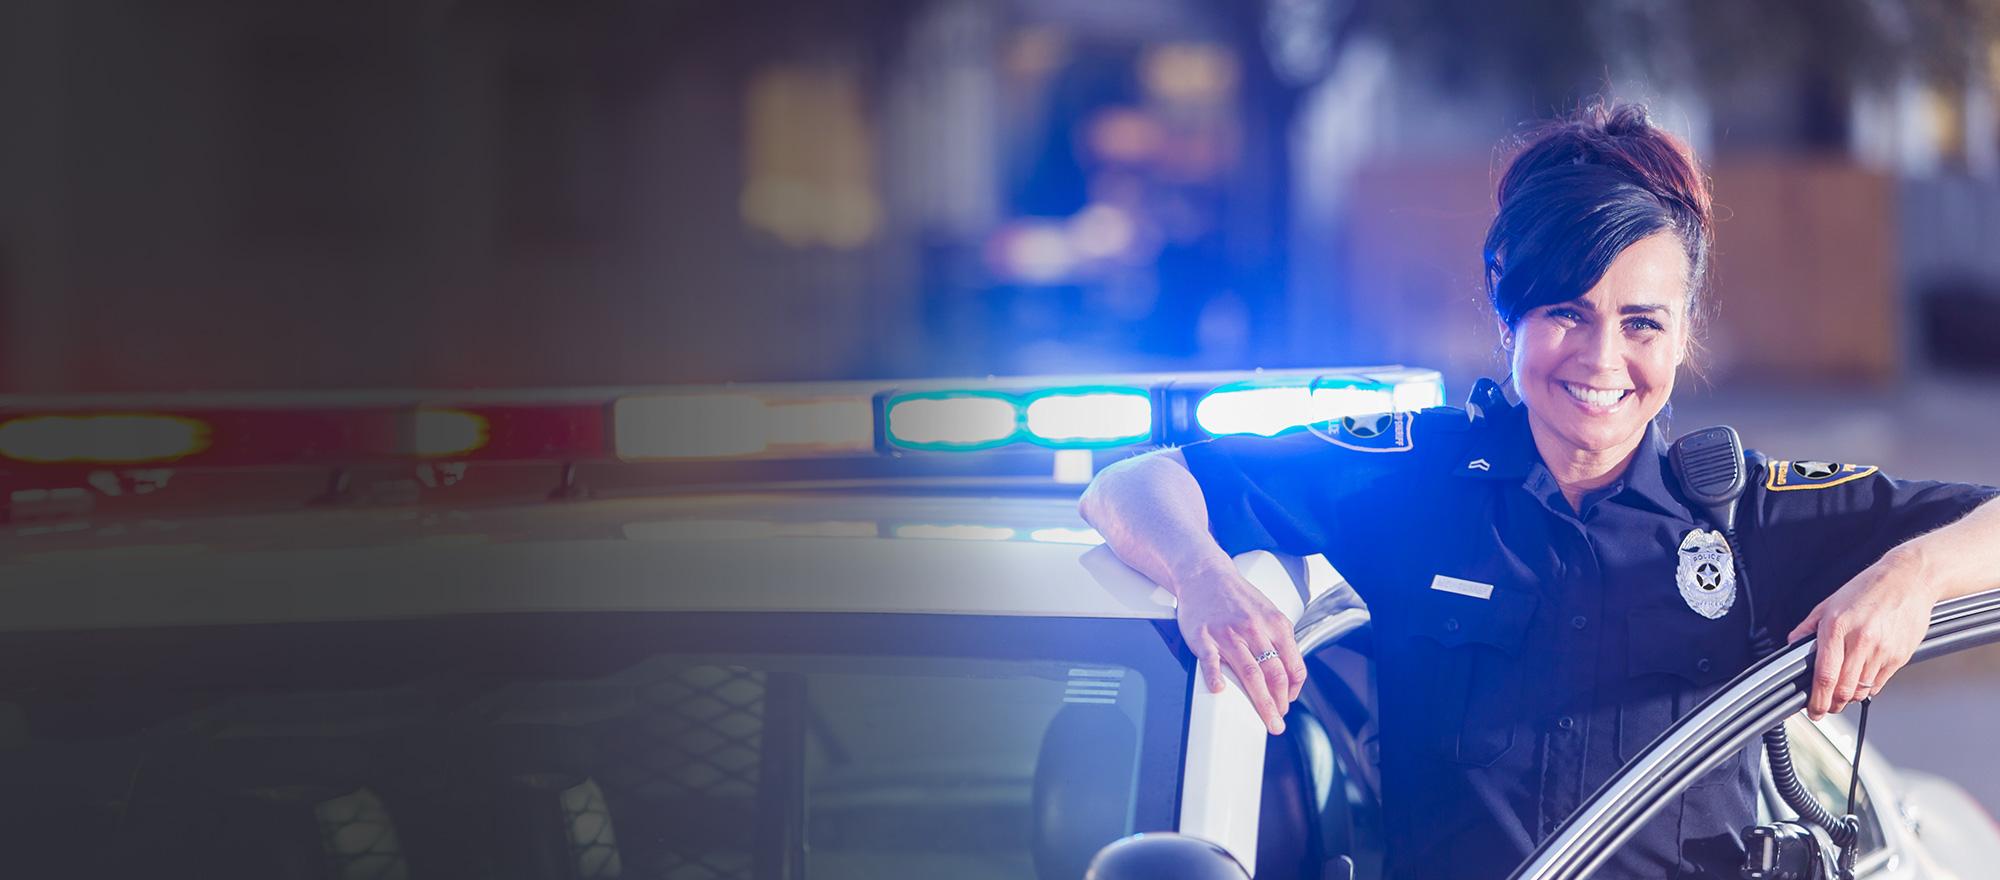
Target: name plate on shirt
[(1474, 589)]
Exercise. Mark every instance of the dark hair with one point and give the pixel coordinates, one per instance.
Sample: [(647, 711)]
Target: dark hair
[(1581, 191)]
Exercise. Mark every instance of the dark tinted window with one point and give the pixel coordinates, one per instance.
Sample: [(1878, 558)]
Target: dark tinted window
[(632, 746)]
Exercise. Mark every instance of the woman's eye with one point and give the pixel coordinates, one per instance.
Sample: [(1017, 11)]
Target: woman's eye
[(1643, 324), (1567, 316)]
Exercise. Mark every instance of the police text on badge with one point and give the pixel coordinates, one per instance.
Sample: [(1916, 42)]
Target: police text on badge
[(1707, 573)]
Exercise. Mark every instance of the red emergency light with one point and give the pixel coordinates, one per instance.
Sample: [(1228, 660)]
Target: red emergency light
[(234, 437)]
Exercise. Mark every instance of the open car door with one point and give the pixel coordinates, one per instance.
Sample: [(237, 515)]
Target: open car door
[(1756, 701)]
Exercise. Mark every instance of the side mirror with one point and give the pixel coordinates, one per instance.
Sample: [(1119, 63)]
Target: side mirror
[(1164, 855)]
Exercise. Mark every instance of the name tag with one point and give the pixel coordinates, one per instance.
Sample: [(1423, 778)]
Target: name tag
[(1474, 589)]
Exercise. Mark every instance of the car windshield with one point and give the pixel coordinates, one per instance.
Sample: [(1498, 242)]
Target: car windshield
[(593, 745)]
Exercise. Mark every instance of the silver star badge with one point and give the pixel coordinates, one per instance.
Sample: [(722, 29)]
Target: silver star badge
[(1707, 573)]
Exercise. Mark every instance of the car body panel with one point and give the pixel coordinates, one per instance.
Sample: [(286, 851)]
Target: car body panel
[(886, 554)]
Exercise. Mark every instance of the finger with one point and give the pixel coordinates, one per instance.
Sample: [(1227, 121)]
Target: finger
[(1863, 649), (1294, 663), (1277, 681), (1854, 661), (1247, 675), (1888, 671), (1826, 675), (1873, 676), (1211, 665), (1806, 627)]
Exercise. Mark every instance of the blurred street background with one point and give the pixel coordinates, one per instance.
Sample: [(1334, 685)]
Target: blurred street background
[(211, 195)]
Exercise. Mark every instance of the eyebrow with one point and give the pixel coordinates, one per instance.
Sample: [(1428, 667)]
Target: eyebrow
[(1633, 309)]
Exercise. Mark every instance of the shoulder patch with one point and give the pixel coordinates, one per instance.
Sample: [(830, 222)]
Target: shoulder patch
[(1381, 432), (1786, 476)]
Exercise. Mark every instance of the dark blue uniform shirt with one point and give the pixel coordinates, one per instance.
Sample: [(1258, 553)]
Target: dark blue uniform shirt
[(1524, 649)]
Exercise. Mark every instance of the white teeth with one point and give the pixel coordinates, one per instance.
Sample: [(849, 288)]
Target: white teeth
[(1593, 396)]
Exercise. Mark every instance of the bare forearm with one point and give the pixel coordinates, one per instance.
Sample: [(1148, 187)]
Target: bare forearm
[(1961, 558), (1151, 513)]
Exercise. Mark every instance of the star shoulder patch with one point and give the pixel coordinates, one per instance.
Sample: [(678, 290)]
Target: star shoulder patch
[(1380, 432), (1788, 476)]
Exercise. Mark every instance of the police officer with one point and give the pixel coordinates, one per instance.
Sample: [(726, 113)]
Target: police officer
[(1546, 599)]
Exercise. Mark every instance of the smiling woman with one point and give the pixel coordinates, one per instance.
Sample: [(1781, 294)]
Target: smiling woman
[(1548, 594), (1595, 266)]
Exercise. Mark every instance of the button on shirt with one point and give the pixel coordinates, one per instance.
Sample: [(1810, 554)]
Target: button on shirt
[(1526, 649)]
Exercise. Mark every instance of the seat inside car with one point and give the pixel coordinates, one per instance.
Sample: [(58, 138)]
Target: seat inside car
[(1082, 798)]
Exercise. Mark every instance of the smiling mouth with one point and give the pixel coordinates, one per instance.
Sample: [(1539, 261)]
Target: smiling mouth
[(1596, 398)]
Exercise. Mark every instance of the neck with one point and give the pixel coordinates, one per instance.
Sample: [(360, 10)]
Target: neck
[(1578, 471)]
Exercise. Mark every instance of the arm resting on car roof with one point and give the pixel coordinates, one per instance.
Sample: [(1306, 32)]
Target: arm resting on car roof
[(1151, 513)]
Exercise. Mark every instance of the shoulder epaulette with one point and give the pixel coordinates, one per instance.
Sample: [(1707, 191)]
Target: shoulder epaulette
[(1786, 476)]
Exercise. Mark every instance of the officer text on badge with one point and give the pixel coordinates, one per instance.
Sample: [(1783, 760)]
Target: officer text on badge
[(1707, 573)]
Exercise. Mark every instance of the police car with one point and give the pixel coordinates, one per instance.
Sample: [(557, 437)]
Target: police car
[(825, 631)]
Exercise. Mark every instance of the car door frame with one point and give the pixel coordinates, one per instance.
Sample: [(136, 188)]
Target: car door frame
[(1755, 701)]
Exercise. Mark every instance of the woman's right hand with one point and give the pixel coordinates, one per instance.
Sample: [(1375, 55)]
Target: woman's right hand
[(1226, 621)]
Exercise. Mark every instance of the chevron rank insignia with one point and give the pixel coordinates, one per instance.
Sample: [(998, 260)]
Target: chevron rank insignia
[(1381, 432), (1787, 476)]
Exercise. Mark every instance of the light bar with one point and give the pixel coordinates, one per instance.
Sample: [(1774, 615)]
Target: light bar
[(59, 442)]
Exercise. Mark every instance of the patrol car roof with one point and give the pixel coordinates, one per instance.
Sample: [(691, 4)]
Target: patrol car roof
[(824, 552)]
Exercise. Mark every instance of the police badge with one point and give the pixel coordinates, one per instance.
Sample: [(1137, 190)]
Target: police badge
[(1707, 573)]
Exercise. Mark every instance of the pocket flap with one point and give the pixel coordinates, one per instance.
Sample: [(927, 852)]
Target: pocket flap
[(1679, 642), (1500, 621)]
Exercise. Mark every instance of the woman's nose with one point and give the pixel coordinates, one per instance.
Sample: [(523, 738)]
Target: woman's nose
[(1603, 350)]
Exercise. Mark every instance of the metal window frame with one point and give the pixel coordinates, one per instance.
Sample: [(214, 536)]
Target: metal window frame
[(1760, 698)]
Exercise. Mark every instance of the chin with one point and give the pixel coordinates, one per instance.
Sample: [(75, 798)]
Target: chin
[(1603, 437)]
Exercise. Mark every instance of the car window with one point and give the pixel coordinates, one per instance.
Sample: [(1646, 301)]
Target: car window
[(1319, 804), (631, 746)]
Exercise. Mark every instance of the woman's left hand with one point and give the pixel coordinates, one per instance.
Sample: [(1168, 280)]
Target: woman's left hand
[(1867, 630)]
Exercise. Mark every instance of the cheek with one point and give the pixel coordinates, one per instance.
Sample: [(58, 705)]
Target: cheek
[(1538, 353), (1658, 364)]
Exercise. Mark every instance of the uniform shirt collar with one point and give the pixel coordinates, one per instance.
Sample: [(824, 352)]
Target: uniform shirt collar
[(1503, 448)]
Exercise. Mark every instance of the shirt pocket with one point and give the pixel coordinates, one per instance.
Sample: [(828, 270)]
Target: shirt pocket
[(1675, 659), (1473, 648)]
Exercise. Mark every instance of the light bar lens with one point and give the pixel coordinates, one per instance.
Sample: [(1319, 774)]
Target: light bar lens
[(1112, 417), (446, 432), (952, 420), (738, 425), (1270, 409), (102, 439), (1414, 396), (1080, 417)]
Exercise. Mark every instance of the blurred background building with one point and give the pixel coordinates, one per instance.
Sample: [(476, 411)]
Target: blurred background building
[(506, 192)]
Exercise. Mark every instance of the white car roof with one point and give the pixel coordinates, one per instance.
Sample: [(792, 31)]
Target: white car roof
[(840, 552)]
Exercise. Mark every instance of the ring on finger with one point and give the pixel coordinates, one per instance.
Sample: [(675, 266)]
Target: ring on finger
[(1268, 655)]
